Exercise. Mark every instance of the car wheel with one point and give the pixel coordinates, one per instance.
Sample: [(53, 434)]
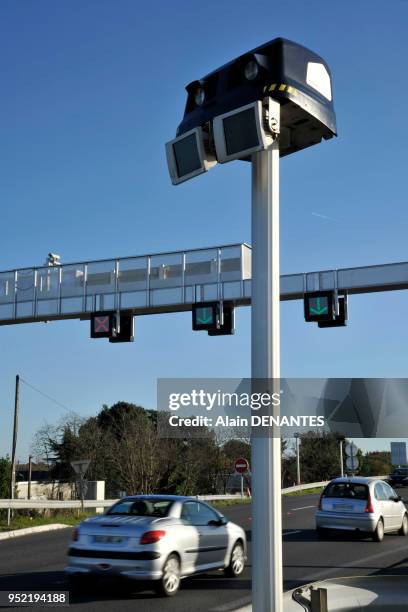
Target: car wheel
[(169, 583), (237, 561), (378, 534), (321, 533), (404, 527)]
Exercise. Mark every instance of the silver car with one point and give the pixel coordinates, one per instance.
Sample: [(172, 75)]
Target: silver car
[(162, 538), (361, 504)]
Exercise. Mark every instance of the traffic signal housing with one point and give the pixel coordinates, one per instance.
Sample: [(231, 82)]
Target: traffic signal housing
[(103, 324), (319, 306), (189, 155), (340, 320), (126, 330), (295, 76), (227, 328), (206, 316)]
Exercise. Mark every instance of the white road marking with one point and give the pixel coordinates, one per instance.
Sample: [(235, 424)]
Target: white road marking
[(332, 573), (302, 508)]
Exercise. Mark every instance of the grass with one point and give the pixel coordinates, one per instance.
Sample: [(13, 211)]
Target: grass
[(24, 521), (222, 503), (305, 492)]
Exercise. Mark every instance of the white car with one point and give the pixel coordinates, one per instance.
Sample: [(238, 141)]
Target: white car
[(162, 538), (361, 504)]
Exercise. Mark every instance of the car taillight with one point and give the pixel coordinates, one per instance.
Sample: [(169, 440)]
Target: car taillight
[(75, 535), (369, 507), (150, 537)]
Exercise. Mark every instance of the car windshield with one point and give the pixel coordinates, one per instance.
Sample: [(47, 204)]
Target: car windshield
[(141, 507), (401, 472), (349, 490)]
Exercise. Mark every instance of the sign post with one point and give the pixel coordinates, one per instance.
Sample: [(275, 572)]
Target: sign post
[(80, 467), (352, 462), (241, 466)]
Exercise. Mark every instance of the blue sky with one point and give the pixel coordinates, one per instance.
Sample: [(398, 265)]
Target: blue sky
[(91, 91)]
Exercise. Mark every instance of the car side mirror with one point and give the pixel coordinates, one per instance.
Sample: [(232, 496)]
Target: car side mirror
[(214, 523)]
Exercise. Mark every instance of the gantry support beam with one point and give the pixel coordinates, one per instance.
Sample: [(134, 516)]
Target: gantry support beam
[(167, 282)]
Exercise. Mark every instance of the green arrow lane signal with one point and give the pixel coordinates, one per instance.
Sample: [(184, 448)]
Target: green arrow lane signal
[(319, 310), (319, 306), (207, 316), (204, 316)]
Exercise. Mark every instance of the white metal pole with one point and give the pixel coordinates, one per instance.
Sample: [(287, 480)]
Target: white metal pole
[(341, 459), (242, 486), (297, 460), (267, 582)]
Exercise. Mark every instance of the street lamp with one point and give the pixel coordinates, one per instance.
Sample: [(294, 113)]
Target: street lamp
[(270, 102)]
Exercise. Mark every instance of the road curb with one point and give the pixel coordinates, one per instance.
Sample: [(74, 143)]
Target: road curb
[(29, 530)]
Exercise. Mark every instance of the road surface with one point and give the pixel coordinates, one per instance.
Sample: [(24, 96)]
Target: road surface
[(36, 562)]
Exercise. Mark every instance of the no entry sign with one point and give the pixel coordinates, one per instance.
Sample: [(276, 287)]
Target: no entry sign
[(241, 465)]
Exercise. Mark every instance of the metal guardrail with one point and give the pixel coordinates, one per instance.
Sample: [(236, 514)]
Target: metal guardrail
[(51, 504), (316, 485), (305, 487), (42, 504)]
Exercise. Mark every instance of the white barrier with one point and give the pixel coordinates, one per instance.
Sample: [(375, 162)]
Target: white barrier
[(317, 485), (51, 504), (305, 487), (42, 504)]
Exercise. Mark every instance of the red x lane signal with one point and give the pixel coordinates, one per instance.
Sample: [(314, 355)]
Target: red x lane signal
[(102, 325)]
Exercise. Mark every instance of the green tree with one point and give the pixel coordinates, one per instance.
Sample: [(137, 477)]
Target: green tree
[(5, 477), (319, 456), (375, 463)]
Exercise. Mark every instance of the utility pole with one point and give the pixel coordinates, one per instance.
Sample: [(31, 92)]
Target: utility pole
[(13, 451), (30, 466)]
